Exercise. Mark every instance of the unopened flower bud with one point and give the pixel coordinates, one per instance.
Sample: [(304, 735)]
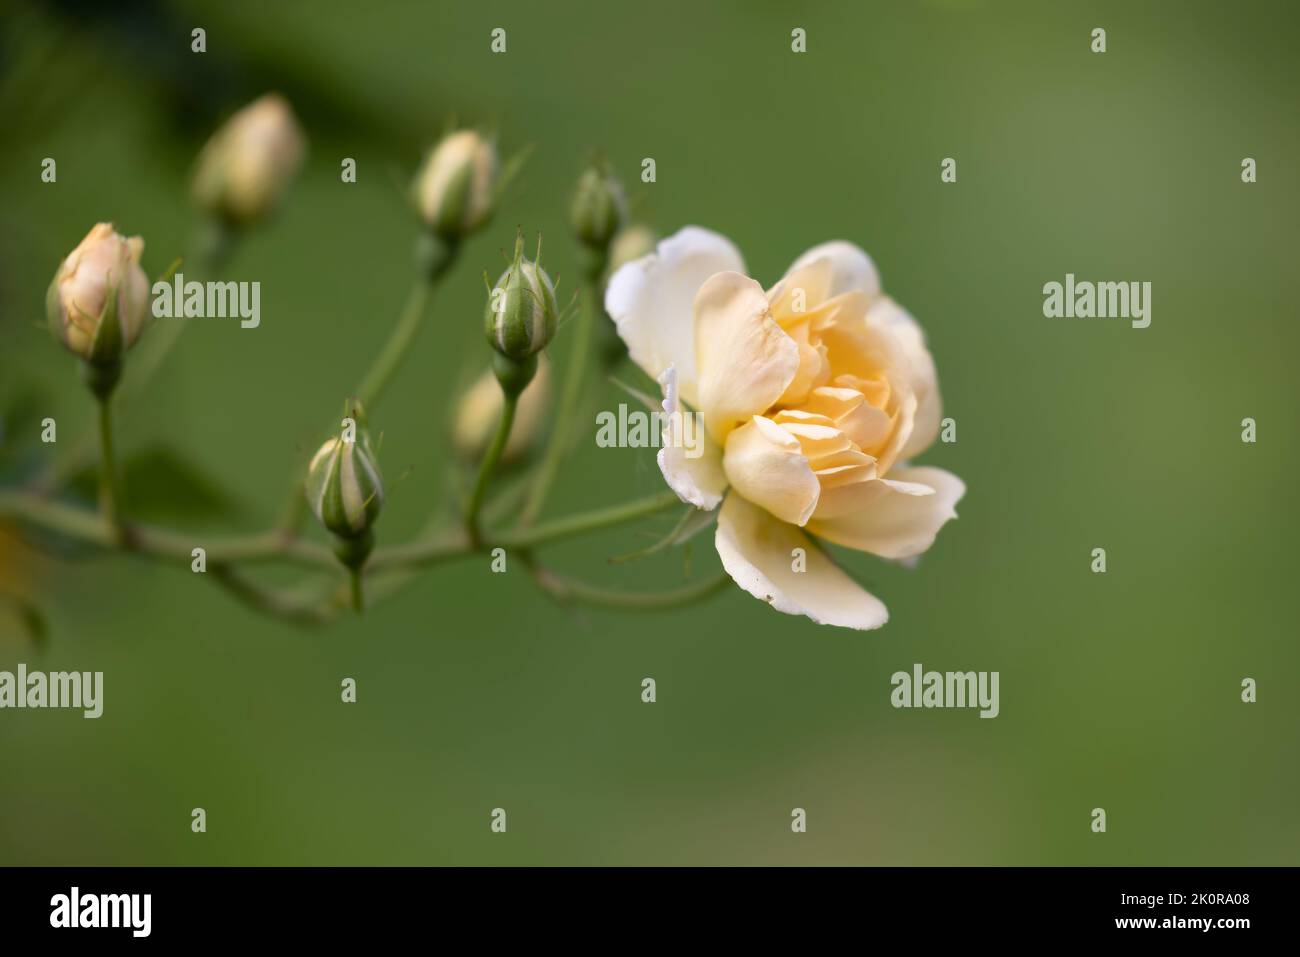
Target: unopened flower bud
[(249, 163), (522, 314), (480, 409), (99, 298), (599, 208), (345, 488), (455, 190), (633, 242)]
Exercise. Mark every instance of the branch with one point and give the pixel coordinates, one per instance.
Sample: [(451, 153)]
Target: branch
[(278, 604), (570, 589), (442, 547), (153, 542)]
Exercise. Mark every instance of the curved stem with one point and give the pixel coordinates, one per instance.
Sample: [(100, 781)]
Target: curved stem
[(377, 378), (570, 589), (163, 544), (150, 541), (487, 467), (548, 532), (278, 604), (435, 261), (397, 563), (440, 548), (570, 395)]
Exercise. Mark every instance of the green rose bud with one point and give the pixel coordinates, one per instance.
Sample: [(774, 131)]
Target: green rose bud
[(345, 488), (599, 208), (522, 313), (455, 190)]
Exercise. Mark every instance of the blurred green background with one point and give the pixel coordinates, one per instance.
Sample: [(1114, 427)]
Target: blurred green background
[(476, 691)]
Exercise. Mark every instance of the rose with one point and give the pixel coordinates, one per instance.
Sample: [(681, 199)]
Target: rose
[(249, 163), (98, 300), (814, 395)]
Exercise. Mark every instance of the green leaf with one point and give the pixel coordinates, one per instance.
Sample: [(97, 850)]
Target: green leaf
[(692, 522), (20, 422), (161, 484)]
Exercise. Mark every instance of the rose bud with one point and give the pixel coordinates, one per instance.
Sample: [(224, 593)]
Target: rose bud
[(631, 243), (99, 298), (522, 314), (480, 409), (599, 208), (249, 163), (455, 190), (345, 488)]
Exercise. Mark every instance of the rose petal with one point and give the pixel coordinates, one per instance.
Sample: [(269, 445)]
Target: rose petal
[(851, 269), (890, 316), (744, 359), (766, 465), (893, 519), (697, 479), (757, 551), (651, 301)]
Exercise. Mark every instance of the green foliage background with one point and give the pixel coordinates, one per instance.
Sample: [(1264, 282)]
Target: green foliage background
[(1118, 691)]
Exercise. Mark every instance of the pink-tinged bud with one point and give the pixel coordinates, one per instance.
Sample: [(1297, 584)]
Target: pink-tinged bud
[(99, 298), (250, 162)]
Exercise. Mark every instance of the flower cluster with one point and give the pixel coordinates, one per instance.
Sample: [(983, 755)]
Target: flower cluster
[(815, 394)]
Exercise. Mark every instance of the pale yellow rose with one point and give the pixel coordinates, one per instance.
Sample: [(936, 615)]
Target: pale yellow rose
[(250, 162), (77, 303), (815, 395)]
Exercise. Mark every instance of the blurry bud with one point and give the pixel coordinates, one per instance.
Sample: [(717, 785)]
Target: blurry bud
[(97, 303), (455, 189), (344, 487), (248, 164), (522, 314), (480, 410), (632, 243), (599, 208)]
